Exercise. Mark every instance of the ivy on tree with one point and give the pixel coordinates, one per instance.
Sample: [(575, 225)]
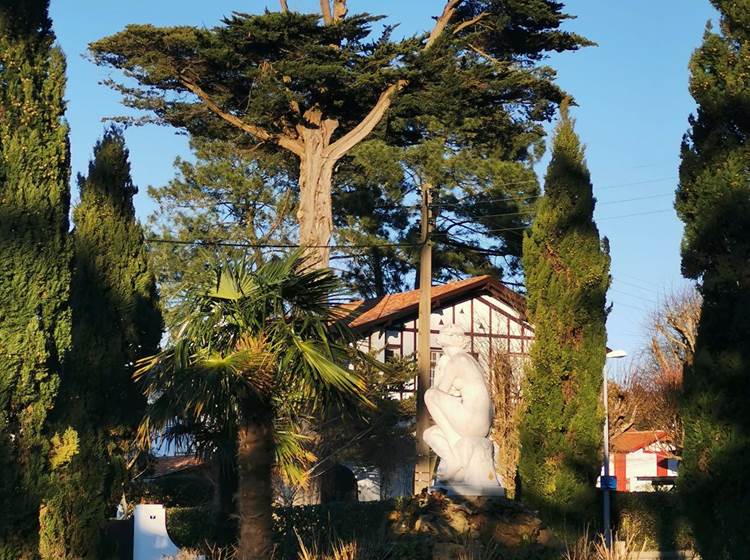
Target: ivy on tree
[(567, 276), (713, 200)]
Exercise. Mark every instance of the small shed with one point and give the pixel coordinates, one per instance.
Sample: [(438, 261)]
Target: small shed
[(643, 461)]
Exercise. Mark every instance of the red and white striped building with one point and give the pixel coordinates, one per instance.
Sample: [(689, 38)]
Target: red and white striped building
[(643, 461)]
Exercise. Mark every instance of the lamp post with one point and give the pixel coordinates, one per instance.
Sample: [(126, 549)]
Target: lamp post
[(605, 478)]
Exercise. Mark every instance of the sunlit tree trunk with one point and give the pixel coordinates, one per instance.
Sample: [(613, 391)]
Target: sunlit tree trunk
[(315, 179)]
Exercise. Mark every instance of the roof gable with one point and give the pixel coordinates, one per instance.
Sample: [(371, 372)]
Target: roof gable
[(371, 313), (633, 440)]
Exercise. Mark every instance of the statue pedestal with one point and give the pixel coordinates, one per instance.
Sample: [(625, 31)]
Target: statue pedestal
[(466, 490)]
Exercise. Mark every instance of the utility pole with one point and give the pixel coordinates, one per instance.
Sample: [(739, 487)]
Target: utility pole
[(422, 470)]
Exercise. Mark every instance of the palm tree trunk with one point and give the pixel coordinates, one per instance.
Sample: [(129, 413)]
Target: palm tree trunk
[(254, 463)]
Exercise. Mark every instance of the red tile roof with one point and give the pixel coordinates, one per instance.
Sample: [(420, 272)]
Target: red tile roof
[(393, 306), (633, 440)]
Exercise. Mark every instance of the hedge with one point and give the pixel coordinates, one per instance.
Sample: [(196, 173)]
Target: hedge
[(657, 516), (192, 527)]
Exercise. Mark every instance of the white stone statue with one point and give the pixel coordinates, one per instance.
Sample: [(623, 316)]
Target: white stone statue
[(461, 407)]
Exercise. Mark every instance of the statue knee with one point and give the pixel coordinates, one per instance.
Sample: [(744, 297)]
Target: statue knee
[(429, 398)]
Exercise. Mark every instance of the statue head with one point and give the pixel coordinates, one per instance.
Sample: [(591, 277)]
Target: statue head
[(452, 336)]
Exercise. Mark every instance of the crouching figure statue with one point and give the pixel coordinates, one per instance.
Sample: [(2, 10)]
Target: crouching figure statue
[(461, 407)]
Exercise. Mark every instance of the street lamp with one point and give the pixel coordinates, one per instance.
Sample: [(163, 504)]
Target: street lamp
[(605, 484)]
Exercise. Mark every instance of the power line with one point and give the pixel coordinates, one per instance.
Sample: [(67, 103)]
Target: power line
[(637, 214), (635, 296), (364, 245), (524, 197), (532, 212), (242, 245), (619, 280)]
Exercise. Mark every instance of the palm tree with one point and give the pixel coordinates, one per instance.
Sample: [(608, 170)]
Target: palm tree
[(249, 352)]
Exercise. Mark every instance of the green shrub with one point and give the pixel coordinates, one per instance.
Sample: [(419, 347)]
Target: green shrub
[(656, 516), (319, 525), (191, 527)]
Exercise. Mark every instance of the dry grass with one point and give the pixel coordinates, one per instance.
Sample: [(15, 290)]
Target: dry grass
[(584, 548), (340, 550), (211, 552)]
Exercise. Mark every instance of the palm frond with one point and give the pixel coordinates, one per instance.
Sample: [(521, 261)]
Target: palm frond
[(293, 459), (259, 336)]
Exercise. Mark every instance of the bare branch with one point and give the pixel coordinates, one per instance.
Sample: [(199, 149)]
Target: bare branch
[(469, 22), (259, 133), (442, 22), (325, 9), (488, 56), (284, 6), (340, 148)]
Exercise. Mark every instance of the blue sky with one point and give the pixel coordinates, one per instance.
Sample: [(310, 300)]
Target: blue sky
[(631, 91)]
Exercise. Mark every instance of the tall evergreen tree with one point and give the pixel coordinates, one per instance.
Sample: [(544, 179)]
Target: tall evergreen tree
[(36, 258), (312, 89), (713, 199), (567, 276), (116, 321)]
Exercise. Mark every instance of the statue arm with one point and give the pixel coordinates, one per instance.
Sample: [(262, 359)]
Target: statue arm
[(445, 381)]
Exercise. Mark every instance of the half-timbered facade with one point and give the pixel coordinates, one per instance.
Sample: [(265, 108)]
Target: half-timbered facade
[(492, 316)]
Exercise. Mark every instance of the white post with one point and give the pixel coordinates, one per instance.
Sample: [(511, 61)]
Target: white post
[(605, 478)]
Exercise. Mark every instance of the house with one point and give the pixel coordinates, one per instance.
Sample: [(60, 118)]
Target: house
[(492, 316), (643, 461)]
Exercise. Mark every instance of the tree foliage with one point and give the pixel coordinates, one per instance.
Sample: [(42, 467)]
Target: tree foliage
[(226, 195), (36, 257), (567, 276), (310, 90), (713, 200), (116, 321)]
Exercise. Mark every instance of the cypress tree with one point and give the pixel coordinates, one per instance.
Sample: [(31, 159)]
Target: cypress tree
[(36, 257), (713, 200), (116, 321), (567, 276)]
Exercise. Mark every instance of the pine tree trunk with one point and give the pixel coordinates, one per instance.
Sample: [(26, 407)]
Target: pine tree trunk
[(254, 462), (315, 214)]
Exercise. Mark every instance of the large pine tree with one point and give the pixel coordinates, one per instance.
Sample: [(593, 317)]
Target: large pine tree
[(35, 261), (567, 276), (116, 321), (311, 89), (713, 200)]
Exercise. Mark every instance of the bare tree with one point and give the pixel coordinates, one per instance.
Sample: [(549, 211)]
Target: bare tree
[(657, 379), (505, 389)]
